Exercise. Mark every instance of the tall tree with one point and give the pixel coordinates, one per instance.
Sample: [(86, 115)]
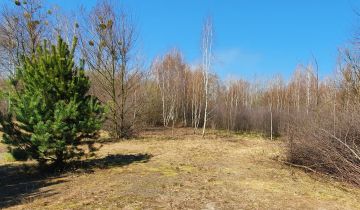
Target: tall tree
[(170, 75), (108, 43), (197, 97), (207, 56)]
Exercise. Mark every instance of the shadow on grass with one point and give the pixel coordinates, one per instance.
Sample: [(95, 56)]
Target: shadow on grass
[(24, 183)]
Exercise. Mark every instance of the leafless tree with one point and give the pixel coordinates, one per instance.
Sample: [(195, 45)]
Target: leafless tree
[(108, 43), (197, 97), (23, 25), (207, 56), (170, 74)]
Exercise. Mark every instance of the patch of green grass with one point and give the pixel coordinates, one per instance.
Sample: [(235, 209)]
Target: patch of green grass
[(244, 134), (168, 170), (7, 157)]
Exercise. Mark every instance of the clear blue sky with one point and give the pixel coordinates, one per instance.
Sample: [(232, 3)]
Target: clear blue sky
[(256, 37)]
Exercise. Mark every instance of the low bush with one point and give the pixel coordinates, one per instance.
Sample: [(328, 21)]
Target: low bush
[(327, 144)]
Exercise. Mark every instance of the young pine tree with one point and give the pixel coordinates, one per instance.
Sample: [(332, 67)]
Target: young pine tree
[(51, 111)]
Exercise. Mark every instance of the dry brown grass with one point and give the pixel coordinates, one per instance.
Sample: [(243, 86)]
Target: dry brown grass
[(222, 171)]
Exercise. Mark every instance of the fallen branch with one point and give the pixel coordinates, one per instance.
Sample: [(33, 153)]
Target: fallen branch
[(298, 166)]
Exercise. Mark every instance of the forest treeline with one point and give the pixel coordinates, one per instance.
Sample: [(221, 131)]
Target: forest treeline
[(320, 118)]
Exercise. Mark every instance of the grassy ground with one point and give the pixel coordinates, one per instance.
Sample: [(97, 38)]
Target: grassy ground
[(162, 171)]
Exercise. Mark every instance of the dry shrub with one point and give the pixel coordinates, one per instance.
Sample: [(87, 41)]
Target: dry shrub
[(328, 143)]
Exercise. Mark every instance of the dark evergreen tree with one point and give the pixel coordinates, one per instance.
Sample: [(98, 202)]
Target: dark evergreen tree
[(51, 112)]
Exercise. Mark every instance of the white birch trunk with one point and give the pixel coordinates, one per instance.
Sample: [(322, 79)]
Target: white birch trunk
[(206, 64)]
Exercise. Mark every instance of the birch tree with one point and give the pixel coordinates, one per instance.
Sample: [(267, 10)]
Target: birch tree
[(170, 75), (207, 56), (197, 97)]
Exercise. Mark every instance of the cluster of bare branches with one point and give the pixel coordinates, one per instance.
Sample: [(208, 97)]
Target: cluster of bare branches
[(22, 27), (170, 73), (326, 138), (108, 41)]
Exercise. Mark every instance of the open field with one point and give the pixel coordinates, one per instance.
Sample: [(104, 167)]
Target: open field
[(161, 171)]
